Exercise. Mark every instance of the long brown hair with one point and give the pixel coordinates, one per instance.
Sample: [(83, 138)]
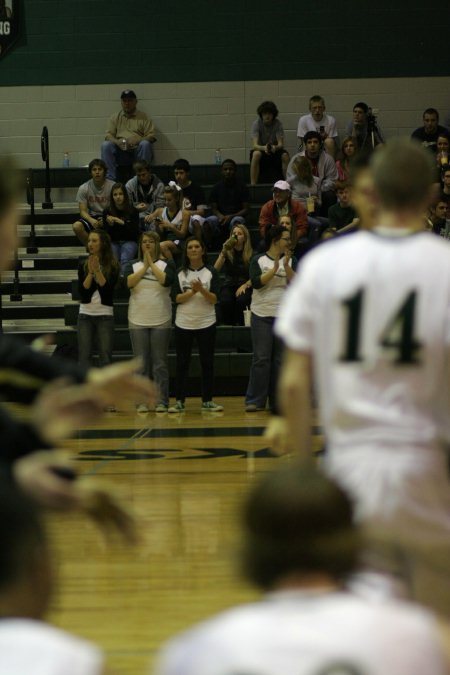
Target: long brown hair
[(106, 257), (303, 171), (247, 251), (127, 208)]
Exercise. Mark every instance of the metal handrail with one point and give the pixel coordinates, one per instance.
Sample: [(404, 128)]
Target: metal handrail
[(32, 244), (47, 204)]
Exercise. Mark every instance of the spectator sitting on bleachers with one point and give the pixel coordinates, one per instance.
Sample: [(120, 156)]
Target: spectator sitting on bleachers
[(286, 223), (364, 129), (445, 191), (442, 149), (236, 288), (305, 187), (436, 221), (319, 121), (121, 222), (194, 201), (282, 204), (428, 134), (268, 153), (323, 167), (171, 222), (348, 152), (342, 215), (145, 190), (92, 197), (129, 136), (229, 202)]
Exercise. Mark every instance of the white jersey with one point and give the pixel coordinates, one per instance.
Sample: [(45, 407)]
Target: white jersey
[(373, 308), (301, 633), (266, 299), (34, 648), (197, 312), (150, 302)]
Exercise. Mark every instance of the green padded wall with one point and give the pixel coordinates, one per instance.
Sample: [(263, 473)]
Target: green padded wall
[(98, 41)]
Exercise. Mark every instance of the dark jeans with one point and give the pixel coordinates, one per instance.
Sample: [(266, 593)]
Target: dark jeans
[(184, 341), (95, 330), (266, 362), (231, 308)]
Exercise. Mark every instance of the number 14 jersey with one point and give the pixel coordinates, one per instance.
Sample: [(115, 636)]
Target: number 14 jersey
[(373, 310)]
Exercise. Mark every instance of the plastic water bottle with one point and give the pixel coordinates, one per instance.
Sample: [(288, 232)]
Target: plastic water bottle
[(66, 160), (218, 157)]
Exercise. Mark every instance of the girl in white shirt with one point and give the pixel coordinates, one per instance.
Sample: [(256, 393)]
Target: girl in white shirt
[(150, 313), (196, 292)]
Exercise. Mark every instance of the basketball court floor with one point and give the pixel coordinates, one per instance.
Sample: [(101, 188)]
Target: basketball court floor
[(184, 477)]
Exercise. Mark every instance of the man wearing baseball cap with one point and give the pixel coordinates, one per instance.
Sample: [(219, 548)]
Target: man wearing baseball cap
[(283, 205), (129, 136)]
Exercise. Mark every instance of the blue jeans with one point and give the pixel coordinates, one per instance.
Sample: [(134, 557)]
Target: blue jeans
[(92, 330), (124, 251), (114, 156), (266, 362), (151, 344)]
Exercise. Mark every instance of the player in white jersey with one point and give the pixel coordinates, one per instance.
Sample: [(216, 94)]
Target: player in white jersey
[(28, 645), (370, 313), (299, 544)]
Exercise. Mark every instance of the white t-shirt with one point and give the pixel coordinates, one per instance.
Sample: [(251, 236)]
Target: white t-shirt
[(301, 633), (308, 123), (95, 306), (97, 199), (373, 308), (196, 312), (267, 298), (150, 302), (30, 647)]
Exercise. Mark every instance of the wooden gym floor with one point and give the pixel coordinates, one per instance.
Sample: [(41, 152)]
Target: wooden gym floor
[(184, 477)]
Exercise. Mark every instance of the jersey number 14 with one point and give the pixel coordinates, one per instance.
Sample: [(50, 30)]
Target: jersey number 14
[(397, 336)]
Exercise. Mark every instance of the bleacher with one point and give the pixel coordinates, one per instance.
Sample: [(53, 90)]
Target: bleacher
[(46, 280)]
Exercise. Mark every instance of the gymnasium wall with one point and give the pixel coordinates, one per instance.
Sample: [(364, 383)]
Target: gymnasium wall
[(201, 68)]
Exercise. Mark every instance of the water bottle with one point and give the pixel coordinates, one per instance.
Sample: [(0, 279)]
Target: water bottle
[(218, 157), (66, 160)]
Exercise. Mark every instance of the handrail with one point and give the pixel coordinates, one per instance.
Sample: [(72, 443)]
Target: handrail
[(47, 204), (32, 245)]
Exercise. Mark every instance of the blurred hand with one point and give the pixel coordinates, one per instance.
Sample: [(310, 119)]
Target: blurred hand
[(276, 433), (62, 408), (121, 382), (35, 474)]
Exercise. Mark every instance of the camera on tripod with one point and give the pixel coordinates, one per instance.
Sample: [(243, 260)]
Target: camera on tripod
[(372, 119)]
